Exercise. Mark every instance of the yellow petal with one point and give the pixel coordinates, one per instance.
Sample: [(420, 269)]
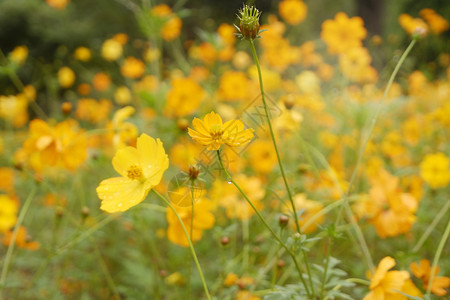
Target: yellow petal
[(211, 119), (384, 265), (124, 158), (120, 193)]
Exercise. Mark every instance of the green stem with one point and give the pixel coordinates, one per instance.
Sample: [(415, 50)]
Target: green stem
[(191, 247), (12, 242), (230, 179), (437, 256), (275, 265), (325, 271), (255, 57), (430, 228), (190, 234)]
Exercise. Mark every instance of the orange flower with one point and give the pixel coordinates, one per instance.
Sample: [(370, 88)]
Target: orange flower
[(212, 132), (423, 272), (22, 240), (385, 284), (292, 11), (172, 26), (58, 4), (92, 110), (132, 68), (184, 97), (6, 180), (437, 23), (343, 33), (101, 82)]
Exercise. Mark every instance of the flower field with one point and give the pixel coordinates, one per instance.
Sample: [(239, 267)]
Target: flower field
[(289, 150)]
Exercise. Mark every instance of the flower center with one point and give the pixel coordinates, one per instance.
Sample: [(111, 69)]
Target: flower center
[(216, 131), (135, 172)]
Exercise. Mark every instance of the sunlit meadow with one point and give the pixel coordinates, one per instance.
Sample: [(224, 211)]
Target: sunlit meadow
[(289, 150)]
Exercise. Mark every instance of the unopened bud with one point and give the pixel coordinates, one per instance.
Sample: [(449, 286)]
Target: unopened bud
[(225, 240), (66, 108), (85, 211), (249, 22), (419, 33), (283, 220), (182, 124), (281, 263), (193, 172)]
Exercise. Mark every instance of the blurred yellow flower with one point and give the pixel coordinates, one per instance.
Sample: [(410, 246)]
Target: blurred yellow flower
[(355, 65), (141, 168), (411, 24), (292, 11), (184, 97), (262, 156), (122, 95), (6, 180), (385, 284), (111, 49), (437, 23), (212, 132), (58, 4), (9, 208), (19, 54), (62, 145), (309, 208), (423, 272), (201, 220), (132, 68), (66, 77), (233, 86), (435, 170), (14, 109), (82, 54), (93, 111), (172, 26), (343, 33)]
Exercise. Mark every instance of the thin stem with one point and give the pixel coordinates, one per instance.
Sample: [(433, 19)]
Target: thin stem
[(12, 242), (430, 228), (275, 265), (105, 270), (191, 247), (437, 256), (255, 57), (325, 271), (190, 234), (347, 208), (229, 178)]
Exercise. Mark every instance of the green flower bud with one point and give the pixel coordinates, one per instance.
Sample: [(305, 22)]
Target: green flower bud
[(249, 23)]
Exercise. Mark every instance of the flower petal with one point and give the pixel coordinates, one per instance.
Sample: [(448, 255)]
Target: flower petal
[(120, 193)]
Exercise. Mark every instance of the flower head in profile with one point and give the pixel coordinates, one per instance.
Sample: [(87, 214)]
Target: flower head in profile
[(212, 132), (141, 168), (423, 271)]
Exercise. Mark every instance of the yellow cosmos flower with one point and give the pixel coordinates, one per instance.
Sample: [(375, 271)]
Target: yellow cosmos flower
[(9, 207), (212, 132), (141, 168), (386, 284), (435, 170)]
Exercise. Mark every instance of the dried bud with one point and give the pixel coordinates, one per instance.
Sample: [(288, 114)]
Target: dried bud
[(85, 211), (283, 220), (66, 108), (281, 263), (182, 124), (249, 22), (225, 240), (193, 172)]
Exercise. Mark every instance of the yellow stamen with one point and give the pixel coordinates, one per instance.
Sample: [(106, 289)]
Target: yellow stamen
[(135, 172)]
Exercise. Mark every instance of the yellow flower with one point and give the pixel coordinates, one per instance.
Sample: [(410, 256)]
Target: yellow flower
[(19, 54), (385, 284), (262, 156), (66, 77), (9, 208), (310, 208), (132, 68), (94, 111), (82, 53), (292, 11), (141, 168), (58, 4), (201, 220), (122, 95), (63, 145), (435, 170), (212, 132), (233, 86), (184, 97), (111, 49), (22, 239), (437, 23), (343, 33), (172, 25)]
